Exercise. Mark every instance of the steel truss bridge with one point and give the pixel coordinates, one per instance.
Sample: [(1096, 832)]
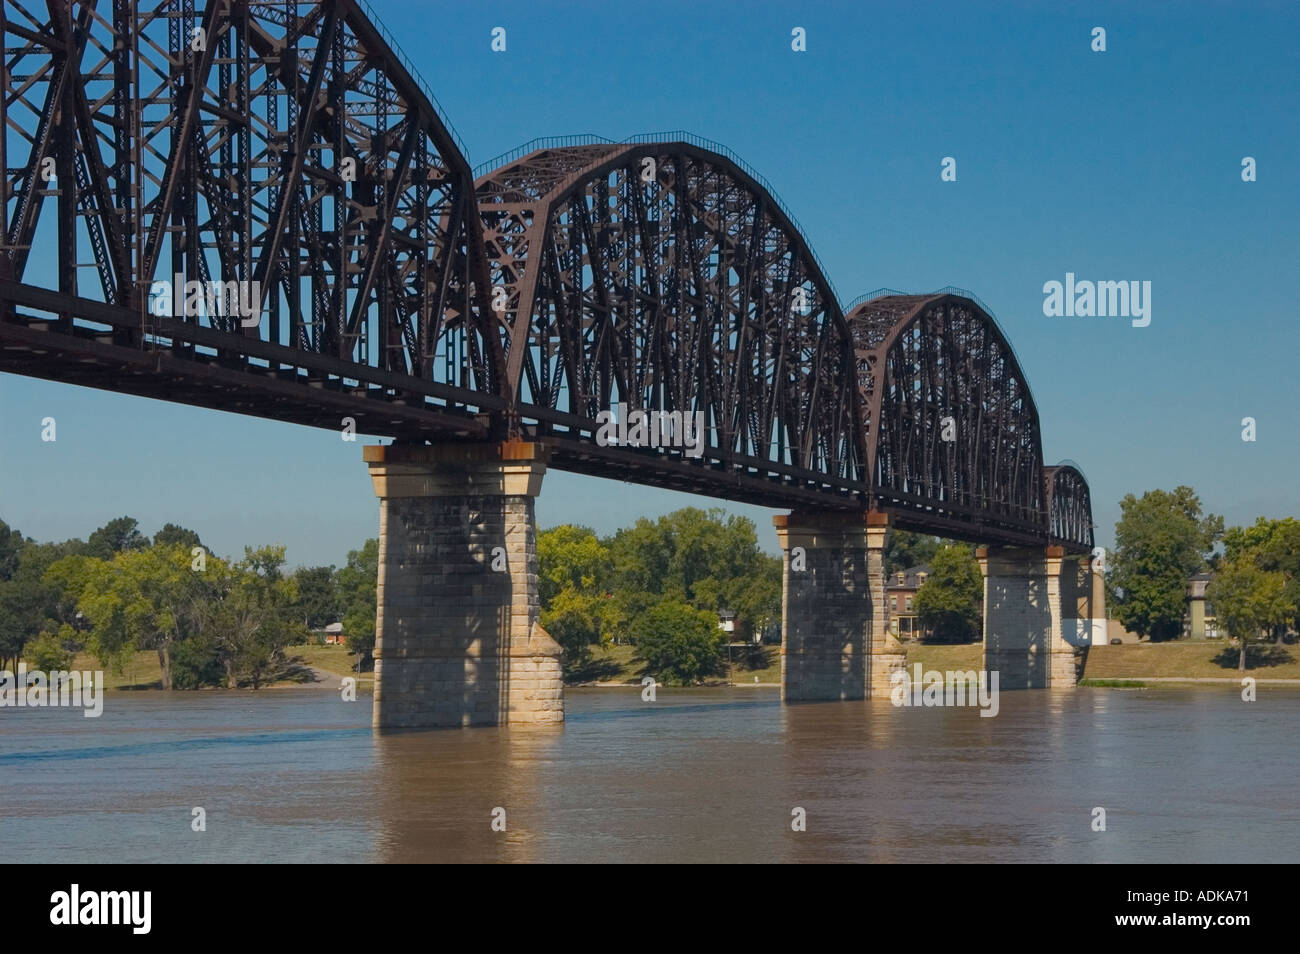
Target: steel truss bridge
[(286, 146)]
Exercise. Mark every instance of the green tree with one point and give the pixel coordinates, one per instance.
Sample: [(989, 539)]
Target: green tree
[(196, 663), (949, 601), (1274, 545), (754, 595), (108, 595), (318, 602), (48, 654), (29, 605), (23, 617), (574, 570), (642, 554), (167, 579), (573, 620), (115, 537), (140, 599), (679, 644), (1249, 601), (702, 557), (173, 535), (358, 583), (573, 558), (11, 548), (249, 617), (905, 549), (1161, 540)]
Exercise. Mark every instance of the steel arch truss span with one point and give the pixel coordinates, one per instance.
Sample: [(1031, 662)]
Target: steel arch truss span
[(277, 150), (662, 278), (256, 207), (1069, 505), (954, 438)]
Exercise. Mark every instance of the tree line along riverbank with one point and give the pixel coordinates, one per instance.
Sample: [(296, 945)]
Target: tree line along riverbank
[(690, 597)]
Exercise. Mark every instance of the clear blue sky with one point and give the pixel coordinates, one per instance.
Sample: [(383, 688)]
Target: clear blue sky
[(1117, 165)]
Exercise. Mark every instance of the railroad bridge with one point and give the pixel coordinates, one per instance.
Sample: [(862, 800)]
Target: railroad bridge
[(157, 153)]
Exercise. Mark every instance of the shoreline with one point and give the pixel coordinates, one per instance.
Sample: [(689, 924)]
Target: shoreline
[(1165, 665), (1128, 682)]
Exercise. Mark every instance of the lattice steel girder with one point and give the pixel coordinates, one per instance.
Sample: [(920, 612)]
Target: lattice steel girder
[(282, 146), (278, 144), (1069, 504), (662, 276), (953, 431)]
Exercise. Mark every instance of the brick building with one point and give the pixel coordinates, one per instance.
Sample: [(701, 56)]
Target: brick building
[(900, 600)]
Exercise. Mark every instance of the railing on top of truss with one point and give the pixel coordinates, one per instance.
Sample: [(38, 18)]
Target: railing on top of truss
[(541, 142), (1066, 462), (420, 81), (945, 290)]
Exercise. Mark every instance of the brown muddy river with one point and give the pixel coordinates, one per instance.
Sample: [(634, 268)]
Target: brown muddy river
[(698, 775)]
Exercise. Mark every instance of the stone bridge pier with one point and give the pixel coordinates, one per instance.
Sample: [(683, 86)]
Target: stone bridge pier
[(457, 639), (1041, 612), (835, 641)]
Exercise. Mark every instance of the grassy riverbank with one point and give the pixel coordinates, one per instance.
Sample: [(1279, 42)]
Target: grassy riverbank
[(1124, 667), (1189, 659), (308, 666), (1120, 667), (617, 665)]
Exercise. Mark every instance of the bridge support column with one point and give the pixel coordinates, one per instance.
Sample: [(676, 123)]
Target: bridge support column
[(1089, 604), (1080, 626), (1031, 621), (1097, 605), (835, 641), (457, 639)]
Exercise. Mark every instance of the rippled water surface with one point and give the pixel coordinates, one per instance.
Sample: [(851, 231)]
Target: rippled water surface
[(703, 775)]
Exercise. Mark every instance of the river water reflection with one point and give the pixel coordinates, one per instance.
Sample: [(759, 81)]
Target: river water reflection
[(699, 775)]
